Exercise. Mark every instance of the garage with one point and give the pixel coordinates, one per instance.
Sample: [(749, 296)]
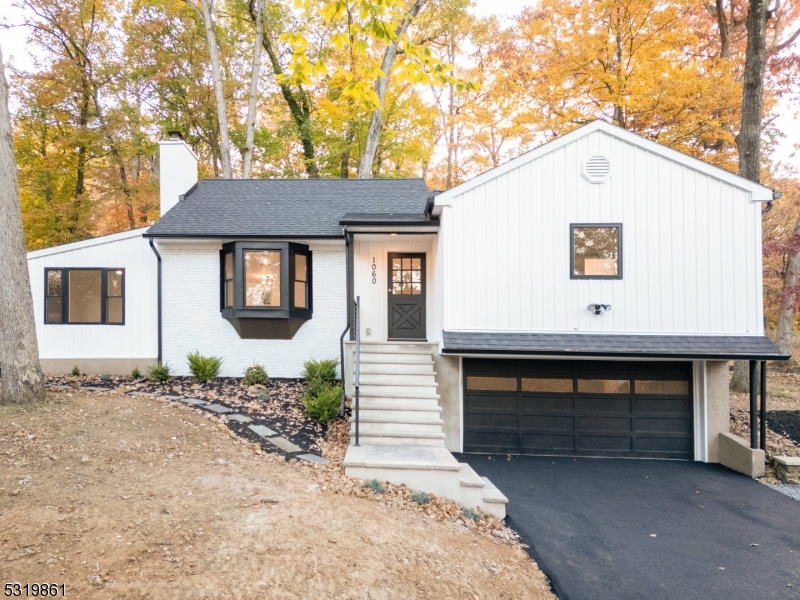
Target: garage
[(637, 409)]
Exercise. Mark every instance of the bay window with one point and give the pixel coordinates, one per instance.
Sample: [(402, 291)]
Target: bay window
[(265, 288)]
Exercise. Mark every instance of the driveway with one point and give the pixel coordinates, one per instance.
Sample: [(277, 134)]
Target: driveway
[(618, 529)]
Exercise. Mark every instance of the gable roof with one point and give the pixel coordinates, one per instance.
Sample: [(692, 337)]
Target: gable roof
[(280, 208), (97, 241), (760, 193)]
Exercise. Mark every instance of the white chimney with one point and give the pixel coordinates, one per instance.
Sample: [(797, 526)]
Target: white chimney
[(178, 169)]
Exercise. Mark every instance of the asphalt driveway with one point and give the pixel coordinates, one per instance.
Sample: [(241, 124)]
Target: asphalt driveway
[(617, 529)]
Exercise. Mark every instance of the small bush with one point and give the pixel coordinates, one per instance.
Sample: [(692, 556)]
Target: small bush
[(320, 372), (421, 498), (159, 373), (322, 404), (256, 375), (135, 373), (105, 377), (75, 371), (471, 514), (204, 368), (375, 486)]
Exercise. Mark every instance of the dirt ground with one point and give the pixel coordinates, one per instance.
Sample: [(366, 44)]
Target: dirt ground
[(131, 498)]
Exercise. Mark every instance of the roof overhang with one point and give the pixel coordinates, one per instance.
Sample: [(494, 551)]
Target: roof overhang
[(672, 347)]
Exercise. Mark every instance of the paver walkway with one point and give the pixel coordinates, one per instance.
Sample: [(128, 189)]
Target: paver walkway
[(606, 529)]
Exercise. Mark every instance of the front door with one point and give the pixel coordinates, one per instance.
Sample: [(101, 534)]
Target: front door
[(407, 297)]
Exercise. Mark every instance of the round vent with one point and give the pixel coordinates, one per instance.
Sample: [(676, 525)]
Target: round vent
[(597, 169)]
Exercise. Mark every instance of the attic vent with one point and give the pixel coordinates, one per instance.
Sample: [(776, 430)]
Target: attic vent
[(597, 169)]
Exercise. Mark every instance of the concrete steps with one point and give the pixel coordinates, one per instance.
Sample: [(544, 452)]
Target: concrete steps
[(400, 429), (432, 470)]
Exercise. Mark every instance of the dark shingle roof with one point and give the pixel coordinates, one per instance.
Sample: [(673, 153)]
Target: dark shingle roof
[(744, 347), (285, 207)]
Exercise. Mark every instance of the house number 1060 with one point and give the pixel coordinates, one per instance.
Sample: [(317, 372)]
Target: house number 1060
[(374, 272)]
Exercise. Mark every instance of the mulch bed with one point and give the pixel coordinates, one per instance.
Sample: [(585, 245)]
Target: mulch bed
[(785, 422), (283, 411)]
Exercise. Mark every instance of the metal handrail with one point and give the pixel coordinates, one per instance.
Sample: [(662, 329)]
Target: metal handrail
[(357, 377), (341, 363)]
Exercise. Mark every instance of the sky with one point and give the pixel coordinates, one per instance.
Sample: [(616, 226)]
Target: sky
[(12, 43)]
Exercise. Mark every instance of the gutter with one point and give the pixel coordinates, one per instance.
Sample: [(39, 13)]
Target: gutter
[(158, 258)]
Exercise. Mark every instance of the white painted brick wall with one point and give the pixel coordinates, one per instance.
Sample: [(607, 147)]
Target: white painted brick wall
[(192, 319)]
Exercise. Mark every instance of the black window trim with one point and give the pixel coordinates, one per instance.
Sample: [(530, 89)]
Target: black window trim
[(572, 274), (103, 295), (286, 309)]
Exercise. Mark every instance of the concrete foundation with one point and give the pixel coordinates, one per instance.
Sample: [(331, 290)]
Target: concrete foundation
[(735, 454), (719, 406), (97, 366), (448, 381)]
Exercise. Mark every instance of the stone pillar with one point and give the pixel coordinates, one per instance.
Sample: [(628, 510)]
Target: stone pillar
[(719, 405)]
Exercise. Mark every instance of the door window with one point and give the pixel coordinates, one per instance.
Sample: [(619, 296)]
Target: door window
[(406, 276)]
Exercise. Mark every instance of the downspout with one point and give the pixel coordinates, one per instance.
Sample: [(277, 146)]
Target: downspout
[(349, 313), (158, 257)]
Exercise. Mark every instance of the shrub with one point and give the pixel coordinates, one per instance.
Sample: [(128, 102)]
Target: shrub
[(204, 368), (320, 372), (375, 486), (256, 375), (421, 498), (135, 373), (75, 371), (158, 373), (105, 377), (322, 404), (471, 514)]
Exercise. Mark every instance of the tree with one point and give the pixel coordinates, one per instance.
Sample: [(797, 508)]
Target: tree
[(250, 123), (205, 12), (22, 379)]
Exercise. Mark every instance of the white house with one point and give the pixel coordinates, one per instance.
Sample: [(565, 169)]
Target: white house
[(583, 299)]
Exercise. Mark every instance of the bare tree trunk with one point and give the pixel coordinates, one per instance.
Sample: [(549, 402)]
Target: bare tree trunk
[(219, 93), (784, 338), (22, 379), (251, 107), (376, 121), (749, 138)]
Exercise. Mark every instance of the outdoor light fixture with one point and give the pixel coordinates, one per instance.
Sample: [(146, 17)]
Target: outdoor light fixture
[(598, 308)]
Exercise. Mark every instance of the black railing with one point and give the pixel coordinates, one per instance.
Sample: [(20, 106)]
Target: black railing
[(357, 361)]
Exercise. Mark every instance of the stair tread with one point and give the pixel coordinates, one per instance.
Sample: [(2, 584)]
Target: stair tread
[(400, 434), (491, 494), (400, 457), (401, 408), (469, 478), (402, 420)]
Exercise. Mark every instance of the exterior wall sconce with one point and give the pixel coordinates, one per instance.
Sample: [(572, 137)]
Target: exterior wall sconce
[(598, 308)]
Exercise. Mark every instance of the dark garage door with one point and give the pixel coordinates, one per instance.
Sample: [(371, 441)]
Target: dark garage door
[(582, 408)]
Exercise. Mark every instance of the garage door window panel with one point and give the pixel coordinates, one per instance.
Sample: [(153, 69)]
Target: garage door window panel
[(661, 388), (492, 384), (604, 386), (541, 385)]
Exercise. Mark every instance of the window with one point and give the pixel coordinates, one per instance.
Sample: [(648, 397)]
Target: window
[(596, 251), (262, 281), (604, 386), (85, 296), (406, 276), (492, 384), (300, 280), (227, 278)]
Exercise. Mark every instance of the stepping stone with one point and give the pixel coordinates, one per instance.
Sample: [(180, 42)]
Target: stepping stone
[(58, 387), (262, 430), (194, 401), (218, 408), (93, 388), (284, 444), (313, 458), (240, 418), (168, 397), (147, 394)]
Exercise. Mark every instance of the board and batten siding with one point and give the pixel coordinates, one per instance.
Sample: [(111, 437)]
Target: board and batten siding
[(374, 249), (192, 319), (138, 337), (691, 259)]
